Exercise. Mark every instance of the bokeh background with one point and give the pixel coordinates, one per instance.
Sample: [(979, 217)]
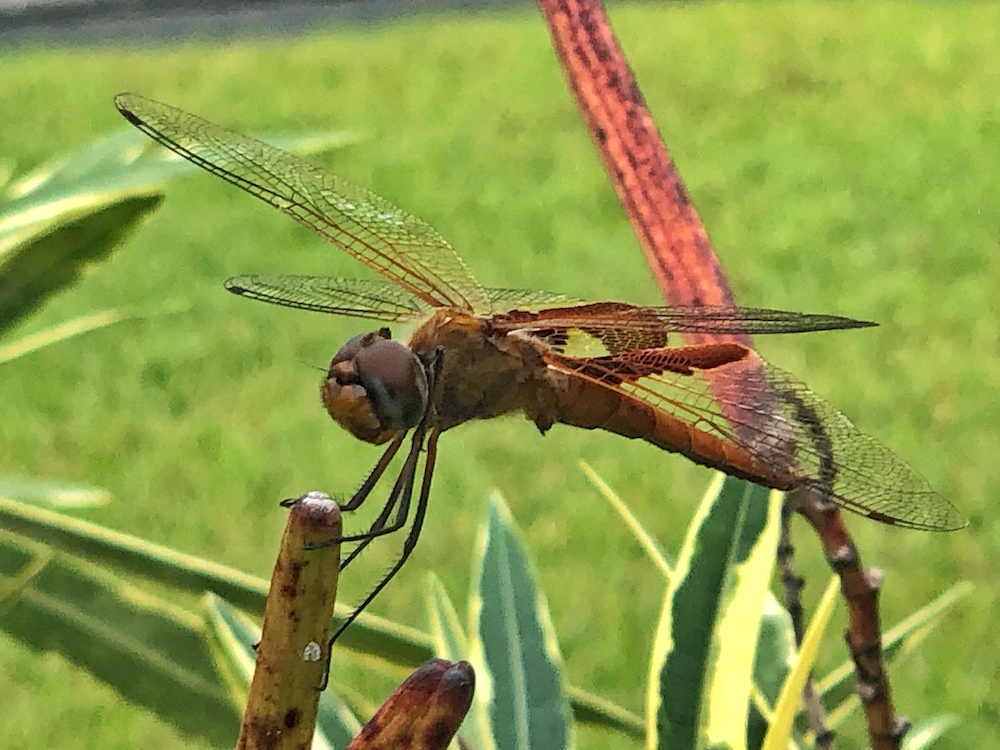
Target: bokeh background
[(845, 159)]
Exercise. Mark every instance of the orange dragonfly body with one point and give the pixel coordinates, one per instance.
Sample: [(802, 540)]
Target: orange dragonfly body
[(480, 353), (514, 362)]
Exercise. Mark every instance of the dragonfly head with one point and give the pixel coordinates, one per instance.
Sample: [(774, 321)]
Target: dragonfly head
[(376, 387)]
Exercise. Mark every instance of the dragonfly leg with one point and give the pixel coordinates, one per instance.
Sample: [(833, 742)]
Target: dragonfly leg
[(376, 473), (411, 538), (362, 494), (403, 488)]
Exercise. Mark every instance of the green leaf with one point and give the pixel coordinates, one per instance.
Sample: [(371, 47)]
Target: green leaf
[(446, 629), (514, 648), (787, 707), (731, 670), (131, 555), (728, 547), (187, 573), (231, 639), (52, 493), (62, 332), (775, 652), (649, 544), (6, 171), (151, 652), (39, 259), (926, 733), (601, 712), (776, 655), (73, 211)]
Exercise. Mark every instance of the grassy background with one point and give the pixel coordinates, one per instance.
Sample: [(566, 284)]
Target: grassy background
[(845, 159)]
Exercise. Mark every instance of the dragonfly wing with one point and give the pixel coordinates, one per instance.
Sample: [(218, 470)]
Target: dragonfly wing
[(752, 320), (620, 327), (401, 247), (360, 298), (775, 417), (524, 299), (851, 467)]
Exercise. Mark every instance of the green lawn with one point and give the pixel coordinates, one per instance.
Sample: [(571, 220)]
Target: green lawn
[(846, 159)]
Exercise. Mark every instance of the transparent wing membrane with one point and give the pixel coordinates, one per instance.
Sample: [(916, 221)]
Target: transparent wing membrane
[(599, 328), (717, 403), (622, 327), (360, 298), (779, 420), (399, 246), (502, 299)]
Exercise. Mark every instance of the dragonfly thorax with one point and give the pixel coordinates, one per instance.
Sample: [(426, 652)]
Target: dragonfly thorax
[(484, 373), (376, 388)]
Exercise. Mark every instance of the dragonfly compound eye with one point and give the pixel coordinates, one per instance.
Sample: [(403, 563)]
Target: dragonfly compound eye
[(375, 388), (355, 344)]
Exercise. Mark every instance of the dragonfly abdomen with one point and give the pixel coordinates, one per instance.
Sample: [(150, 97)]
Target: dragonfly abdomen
[(592, 406)]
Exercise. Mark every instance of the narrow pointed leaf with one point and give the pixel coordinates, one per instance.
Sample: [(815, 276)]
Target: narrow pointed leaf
[(926, 733), (39, 260), (129, 554), (601, 712), (776, 655), (514, 647), (790, 700), (649, 544), (231, 638), (393, 643), (51, 493), (726, 530), (731, 670), (151, 652), (445, 626), (73, 211)]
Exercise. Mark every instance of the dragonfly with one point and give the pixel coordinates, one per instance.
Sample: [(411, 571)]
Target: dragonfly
[(480, 352)]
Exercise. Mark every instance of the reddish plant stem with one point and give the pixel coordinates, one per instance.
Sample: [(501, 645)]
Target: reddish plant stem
[(680, 254), (644, 176), (860, 589)]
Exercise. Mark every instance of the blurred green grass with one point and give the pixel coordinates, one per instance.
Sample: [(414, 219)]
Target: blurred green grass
[(845, 159)]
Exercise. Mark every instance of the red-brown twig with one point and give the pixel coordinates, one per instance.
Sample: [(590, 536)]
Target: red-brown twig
[(860, 589)]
